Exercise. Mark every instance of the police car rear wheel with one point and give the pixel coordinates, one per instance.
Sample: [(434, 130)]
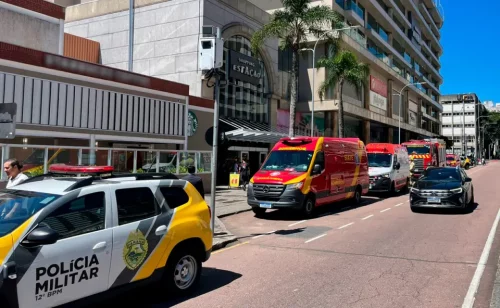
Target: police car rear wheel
[(183, 272)]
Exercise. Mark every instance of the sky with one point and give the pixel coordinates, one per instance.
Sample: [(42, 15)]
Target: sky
[(471, 48)]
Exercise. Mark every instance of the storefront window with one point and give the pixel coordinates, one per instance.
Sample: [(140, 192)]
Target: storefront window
[(243, 99)]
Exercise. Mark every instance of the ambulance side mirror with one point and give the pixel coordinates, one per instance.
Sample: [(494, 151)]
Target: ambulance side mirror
[(40, 236), (316, 169), (397, 166)]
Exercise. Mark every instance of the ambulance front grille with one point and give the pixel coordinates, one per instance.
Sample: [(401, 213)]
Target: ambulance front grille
[(268, 190)]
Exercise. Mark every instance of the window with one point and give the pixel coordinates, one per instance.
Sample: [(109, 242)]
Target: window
[(320, 160), (80, 216), (174, 196), (135, 204)]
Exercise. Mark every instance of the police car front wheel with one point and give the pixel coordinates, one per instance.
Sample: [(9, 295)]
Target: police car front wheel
[(183, 271)]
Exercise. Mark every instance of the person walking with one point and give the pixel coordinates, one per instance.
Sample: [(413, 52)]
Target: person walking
[(244, 173), (12, 167), (195, 180)]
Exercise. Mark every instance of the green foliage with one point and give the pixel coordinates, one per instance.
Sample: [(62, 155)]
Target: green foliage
[(34, 172)]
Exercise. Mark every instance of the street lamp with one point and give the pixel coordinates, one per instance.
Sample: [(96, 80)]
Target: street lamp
[(335, 31), (399, 94)]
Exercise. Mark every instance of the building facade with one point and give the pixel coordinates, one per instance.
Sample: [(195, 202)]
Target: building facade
[(400, 41), (463, 117)]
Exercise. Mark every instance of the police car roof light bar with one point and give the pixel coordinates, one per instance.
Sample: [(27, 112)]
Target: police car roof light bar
[(91, 170)]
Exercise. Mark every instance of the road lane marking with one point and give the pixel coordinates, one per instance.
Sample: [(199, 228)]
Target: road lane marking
[(399, 204), (476, 279), (345, 226), (296, 223), (367, 217), (385, 210), (263, 234), (231, 247), (315, 238)]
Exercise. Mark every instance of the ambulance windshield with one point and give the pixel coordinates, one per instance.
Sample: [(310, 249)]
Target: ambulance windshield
[(418, 149), (293, 161), (16, 206), (379, 160)]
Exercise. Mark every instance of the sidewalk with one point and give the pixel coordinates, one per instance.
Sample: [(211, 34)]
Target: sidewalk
[(227, 202)]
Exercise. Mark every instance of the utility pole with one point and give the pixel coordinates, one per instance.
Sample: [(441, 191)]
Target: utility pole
[(452, 128), (213, 186)]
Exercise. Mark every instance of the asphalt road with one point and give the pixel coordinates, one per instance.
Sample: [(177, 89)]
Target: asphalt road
[(377, 255)]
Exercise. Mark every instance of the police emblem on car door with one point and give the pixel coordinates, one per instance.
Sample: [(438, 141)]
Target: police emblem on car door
[(75, 266)]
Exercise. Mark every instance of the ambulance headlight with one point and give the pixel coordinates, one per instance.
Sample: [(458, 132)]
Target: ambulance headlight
[(295, 185), (386, 175)]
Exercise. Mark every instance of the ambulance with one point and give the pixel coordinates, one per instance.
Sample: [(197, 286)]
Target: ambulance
[(303, 173), (67, 239), (388, 167)]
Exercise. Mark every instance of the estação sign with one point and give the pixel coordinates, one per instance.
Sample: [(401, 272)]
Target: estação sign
[(244, 68)]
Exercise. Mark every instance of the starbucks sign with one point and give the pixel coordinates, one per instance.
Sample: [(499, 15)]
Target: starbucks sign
[(192, 123)]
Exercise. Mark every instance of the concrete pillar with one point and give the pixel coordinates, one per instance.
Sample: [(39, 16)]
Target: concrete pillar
[(406, 106), (335, 123), (92, 150), (366, 131), (366, 103), (390, 98), (419, 113), (390, 135)]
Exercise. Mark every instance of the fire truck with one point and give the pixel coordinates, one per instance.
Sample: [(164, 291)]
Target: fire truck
[(425, 153)]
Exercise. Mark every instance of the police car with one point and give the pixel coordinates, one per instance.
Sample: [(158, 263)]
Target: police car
[(67, 238)]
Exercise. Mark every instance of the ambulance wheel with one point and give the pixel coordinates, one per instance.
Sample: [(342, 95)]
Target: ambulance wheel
[(357, 196), (406, 189), (258, 211), (308, 209), (183, 271)]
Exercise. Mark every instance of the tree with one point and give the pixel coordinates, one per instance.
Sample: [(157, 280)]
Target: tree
[(292, 25), (343, 67)]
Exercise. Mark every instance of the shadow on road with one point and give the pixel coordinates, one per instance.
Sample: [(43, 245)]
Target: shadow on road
[(446, 211), (154, 296), (279, 232)]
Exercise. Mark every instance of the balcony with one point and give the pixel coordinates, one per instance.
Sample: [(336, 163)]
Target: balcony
[(429, 51), (423, 23), (430, 83), (353, 12), (429, 19)]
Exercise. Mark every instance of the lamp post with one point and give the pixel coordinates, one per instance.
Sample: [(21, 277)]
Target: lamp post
[(335, 31), (400, 103)]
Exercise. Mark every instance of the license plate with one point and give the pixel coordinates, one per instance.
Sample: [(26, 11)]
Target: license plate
[(434, 200), (266, 205)]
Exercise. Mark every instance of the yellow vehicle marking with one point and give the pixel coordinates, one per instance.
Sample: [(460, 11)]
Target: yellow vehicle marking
[(356, 171), (308, 179), (191, 220)]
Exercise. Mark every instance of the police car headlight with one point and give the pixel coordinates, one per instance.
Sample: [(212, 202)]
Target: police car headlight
[(456, 190), (295, 185)]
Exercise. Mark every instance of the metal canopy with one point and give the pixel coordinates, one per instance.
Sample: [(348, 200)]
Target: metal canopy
[(251, 131)]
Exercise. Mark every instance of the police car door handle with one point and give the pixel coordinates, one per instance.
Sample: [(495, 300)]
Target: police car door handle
[(161, 230), (99, 246)]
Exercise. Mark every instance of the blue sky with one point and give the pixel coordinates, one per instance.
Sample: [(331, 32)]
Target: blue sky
[(471, 56)]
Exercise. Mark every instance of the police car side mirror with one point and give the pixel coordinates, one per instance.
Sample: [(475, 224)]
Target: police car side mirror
[(40, 236), (316, 169)]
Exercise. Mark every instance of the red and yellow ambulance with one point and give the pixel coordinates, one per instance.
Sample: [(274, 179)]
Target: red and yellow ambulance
[(305, 172)]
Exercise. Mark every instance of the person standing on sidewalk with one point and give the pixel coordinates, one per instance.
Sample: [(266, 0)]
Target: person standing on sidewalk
[(244, 173)]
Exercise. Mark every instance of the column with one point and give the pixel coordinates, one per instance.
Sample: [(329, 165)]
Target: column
[(429, 123), (419, 113), (367, 96), (406, 104), (390, 135), (389, 98), (366, 131), (335, 123), (92, 150)]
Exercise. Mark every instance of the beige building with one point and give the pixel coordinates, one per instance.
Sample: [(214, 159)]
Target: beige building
[(399, 39)]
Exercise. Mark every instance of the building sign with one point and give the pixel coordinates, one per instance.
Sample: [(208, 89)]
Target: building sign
[(244, 68), (377, 100), (412, 116), (378, 93), (192, 123), (8, 120)]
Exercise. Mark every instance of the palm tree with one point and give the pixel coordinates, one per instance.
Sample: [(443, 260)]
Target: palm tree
[(341, 68), (292, 25)]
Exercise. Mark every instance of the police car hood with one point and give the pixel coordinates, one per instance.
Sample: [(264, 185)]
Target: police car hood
[(374, 171)]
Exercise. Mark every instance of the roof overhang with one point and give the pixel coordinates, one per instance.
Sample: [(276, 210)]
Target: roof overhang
[(251, 131)]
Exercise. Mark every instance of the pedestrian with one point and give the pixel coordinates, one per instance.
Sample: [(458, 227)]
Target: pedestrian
[(195, 180), (12, 168), (244, 173)]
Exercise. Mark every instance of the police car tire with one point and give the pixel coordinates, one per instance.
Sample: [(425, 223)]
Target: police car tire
[(170, 271)]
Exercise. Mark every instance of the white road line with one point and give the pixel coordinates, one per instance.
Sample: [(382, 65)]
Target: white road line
[(385, 210), (474, 285), (296, 223), (367, 217), (344, 226), (399, 204), (264, 234), (315, 238)]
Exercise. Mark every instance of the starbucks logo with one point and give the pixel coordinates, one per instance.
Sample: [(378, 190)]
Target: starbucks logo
[(192, 123)]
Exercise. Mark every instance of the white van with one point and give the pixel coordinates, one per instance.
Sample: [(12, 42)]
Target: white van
[(389, 167)]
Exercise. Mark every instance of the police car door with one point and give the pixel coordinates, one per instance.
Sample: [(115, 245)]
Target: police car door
[(140, 223), (77, 265)]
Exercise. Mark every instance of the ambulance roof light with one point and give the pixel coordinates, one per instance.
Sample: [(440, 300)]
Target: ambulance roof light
[(296, 140), (69, 169)]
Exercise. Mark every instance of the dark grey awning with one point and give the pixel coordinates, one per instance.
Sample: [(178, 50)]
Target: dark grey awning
[(251, 131)]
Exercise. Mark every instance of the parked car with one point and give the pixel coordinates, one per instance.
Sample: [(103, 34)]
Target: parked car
[(389, 167), (442, 187)]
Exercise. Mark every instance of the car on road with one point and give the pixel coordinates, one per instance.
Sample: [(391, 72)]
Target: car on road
[(389, 167), (442, 187), (452, 160), (64, 238), (303, 173)]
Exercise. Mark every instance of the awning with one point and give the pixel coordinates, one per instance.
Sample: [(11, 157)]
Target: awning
[(251, 131)]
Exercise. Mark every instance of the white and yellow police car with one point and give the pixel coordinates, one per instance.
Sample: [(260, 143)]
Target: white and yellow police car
[(64, 238)]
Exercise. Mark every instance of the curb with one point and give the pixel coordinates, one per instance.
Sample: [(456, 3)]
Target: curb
[(495, 294), (223, 244), (234, 213)]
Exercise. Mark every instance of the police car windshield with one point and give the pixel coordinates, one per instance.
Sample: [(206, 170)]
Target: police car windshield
[(379, 160), (297, 161), (16, 206), (418, 149)]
